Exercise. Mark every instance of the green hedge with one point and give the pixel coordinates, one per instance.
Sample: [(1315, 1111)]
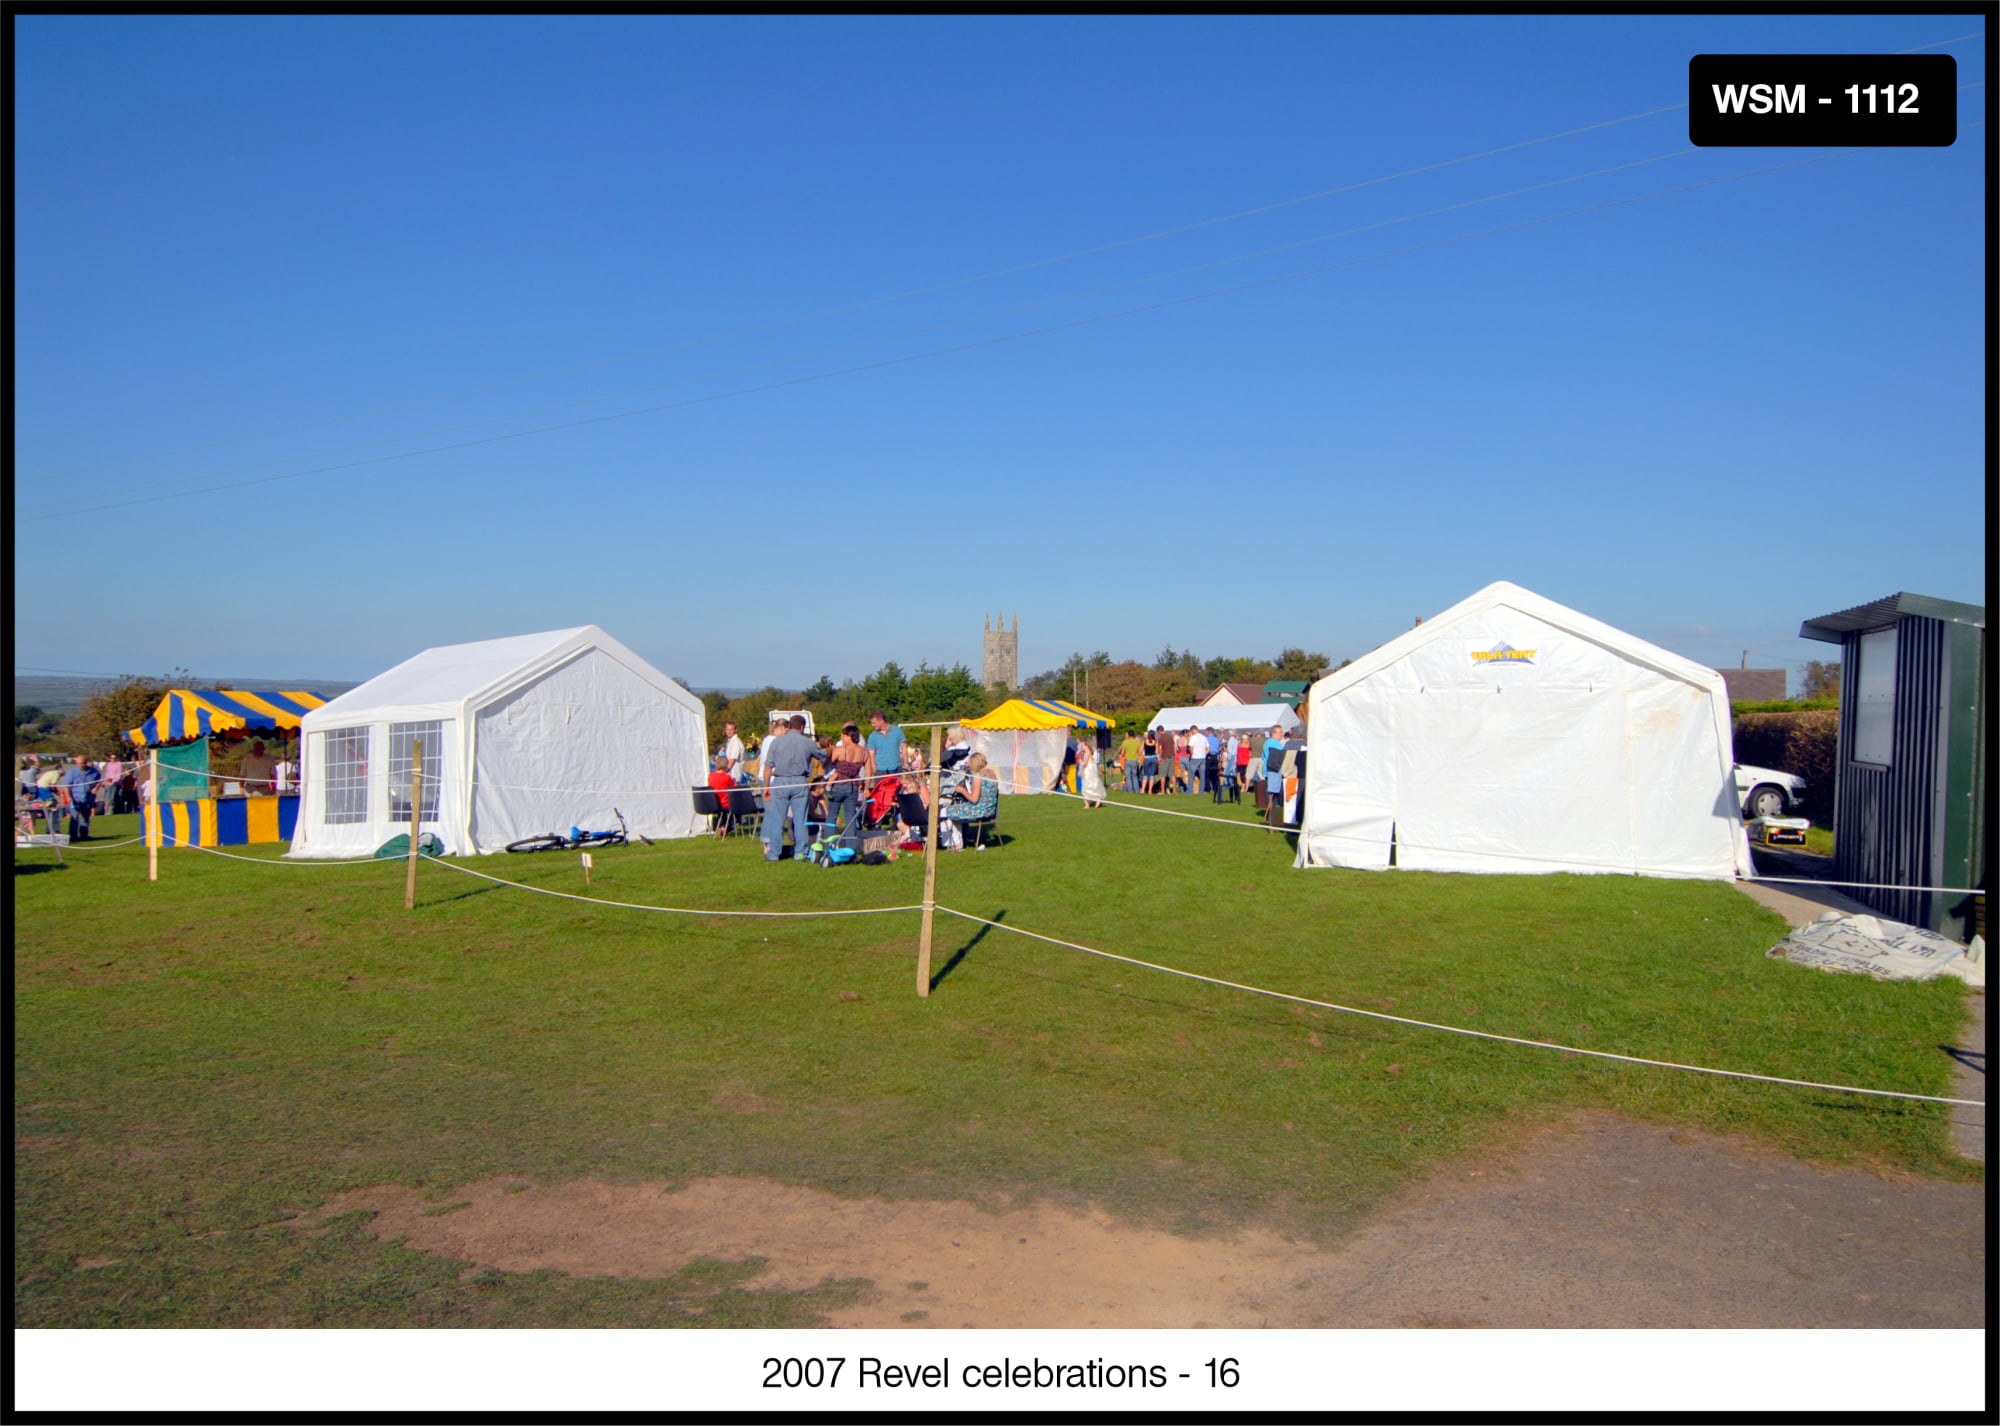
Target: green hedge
[(1802, 743), (1783, 705)]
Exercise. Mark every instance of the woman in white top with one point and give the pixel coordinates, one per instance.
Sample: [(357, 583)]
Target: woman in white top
[(1089, 777)]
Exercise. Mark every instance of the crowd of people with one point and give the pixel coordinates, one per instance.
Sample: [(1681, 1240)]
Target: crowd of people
[(76, 789), (79, 787), (1224, 763), (834, 786), (842, 785)]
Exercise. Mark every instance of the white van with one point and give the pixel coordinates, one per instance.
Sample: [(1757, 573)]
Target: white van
[(785, 715)]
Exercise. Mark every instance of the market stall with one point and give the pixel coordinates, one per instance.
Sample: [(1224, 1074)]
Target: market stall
[(1024, 740), (200, 807)]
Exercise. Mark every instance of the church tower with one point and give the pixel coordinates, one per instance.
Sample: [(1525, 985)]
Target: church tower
[(1000, 654)]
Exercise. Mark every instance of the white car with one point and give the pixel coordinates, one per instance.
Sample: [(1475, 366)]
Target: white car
[(1769, 793)]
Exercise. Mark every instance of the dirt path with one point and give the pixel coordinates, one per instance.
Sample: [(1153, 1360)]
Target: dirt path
[(1595, 1222)]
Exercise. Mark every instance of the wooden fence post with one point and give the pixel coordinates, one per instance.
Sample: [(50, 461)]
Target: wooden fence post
[(155, 821), (416, 814), (930, 873)]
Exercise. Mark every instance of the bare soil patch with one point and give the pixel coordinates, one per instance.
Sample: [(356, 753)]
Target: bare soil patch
[(1595, 1221)]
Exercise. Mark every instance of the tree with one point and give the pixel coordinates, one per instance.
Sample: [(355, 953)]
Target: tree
[(1299, 663), (885, 689), (939, 693), (99, 728), (1820, 680), (1219, 671), (821, 692), (1120, 686)]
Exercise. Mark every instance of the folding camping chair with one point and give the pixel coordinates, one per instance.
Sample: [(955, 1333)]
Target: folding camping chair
[(707, 803), (745, 812)]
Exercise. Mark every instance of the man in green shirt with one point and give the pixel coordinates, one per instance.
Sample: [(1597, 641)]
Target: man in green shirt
[(1133, 751)]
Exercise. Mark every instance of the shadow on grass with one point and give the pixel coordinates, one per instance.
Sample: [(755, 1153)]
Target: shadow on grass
[(1972, 1059), (30, 868), (978, 935)]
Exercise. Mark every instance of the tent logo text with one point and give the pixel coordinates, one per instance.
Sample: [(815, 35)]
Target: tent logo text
[(1503, 653)]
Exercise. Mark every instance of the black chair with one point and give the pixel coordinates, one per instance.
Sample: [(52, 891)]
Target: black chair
[(746, 811), (707, 804), (910, 808)]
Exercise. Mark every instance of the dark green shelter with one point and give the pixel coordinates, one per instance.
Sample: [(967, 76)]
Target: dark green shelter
[(1910, 769)]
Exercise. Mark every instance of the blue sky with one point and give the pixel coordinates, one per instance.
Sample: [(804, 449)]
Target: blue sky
[(263, 249)]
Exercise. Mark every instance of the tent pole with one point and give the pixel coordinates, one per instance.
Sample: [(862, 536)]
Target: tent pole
[(930, 873), (416, 811)]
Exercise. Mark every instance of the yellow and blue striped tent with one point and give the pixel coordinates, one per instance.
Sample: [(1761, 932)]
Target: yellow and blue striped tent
[(185, 714), (1026, 714)]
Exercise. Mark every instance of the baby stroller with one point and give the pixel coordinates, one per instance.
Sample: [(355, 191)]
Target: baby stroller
[(880, 808)]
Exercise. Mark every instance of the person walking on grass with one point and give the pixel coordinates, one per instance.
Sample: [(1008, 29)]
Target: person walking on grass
[(78, 790), (1089, 778)]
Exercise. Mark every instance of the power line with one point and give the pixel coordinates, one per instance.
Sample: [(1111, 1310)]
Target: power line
[(1015, 310), (962, 347), (915, 292), (934, 288)]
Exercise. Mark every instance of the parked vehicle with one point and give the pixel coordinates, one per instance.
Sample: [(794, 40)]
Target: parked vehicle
[(1769, 793)]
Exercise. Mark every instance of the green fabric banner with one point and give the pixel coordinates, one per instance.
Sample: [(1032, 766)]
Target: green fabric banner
[(184, 772)]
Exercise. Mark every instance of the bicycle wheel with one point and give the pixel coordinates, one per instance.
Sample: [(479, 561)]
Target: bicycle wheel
[(548, 842), (601, 839)]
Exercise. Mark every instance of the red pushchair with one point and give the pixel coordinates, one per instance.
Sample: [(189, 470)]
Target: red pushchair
[(881, 807)]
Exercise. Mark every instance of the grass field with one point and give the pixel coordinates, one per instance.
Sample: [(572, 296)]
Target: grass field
[(199, 1060)]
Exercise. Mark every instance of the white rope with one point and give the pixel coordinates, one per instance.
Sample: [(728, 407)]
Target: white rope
[(1169, 812), (1258, 826), (1871, 885), (1458, 1030), (1563, 861), (672, 910), (752, 786), (105, 846)]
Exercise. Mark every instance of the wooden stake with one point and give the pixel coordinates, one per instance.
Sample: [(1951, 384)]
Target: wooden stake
[(416, 812), (153, 828), (930, 875), (586, 867)]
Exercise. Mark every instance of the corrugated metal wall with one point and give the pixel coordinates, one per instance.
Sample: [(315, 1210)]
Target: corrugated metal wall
[(1885, 817)]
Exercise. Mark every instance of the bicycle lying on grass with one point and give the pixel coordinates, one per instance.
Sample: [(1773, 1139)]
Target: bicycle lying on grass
[(578, 839)]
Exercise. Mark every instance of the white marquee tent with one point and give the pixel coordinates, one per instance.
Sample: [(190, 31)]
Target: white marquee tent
[(524, 735), (1225, 717), (1511, 734)]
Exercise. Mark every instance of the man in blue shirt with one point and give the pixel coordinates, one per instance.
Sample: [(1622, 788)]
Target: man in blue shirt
[(885, 747), (785, 764), (79, 786)]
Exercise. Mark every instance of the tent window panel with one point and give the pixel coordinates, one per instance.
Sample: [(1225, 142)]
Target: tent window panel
[(346, 762), (402, 762), (1875, 697)]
